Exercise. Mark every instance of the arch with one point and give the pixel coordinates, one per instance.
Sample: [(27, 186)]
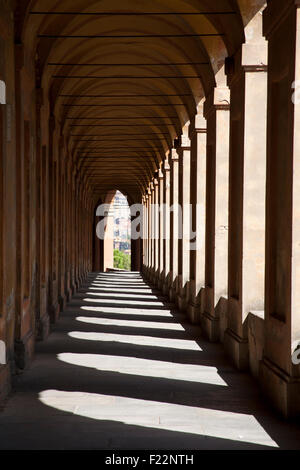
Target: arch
[(164, 105)]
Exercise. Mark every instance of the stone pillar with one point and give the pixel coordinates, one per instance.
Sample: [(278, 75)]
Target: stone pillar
[(216, 109), (184, 152), (280, 377), (24, 328), (247, 79), (98, 243), (53, 288), (109, 236), (166, 227), (156, 231), (151, 229), (68, 231), (161, 227), (197, 132), (136, 243), (145, 230), (148, 241), (174, 195)]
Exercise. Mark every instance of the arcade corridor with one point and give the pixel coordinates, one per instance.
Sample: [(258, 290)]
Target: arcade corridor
[(191, 110)]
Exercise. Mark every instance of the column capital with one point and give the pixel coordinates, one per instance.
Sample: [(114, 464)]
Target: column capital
[(217, 100), (166, 166), (198, 125), (249, 58), (160, 174), (174, 155), (182, 143)]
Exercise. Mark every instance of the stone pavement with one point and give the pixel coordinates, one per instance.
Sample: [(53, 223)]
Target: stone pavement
[(123, 369)]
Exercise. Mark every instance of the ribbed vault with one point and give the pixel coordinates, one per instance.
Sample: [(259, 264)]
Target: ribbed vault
[(124, 77)]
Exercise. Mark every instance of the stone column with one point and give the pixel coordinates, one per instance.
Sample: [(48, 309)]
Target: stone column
[(174, 194), (280, 374), (109, 232), (161, 227), (144, 233), (98, 253), (216, 109), (53, 294), (136, 243), (151, 229), (166, 227), (247, 79), (197, 132), (156, 231), (148, 198), (184, 152)]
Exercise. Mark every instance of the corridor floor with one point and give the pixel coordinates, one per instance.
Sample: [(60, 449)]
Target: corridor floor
[(123, 370)]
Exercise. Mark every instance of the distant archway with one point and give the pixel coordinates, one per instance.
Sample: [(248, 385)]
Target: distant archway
[(122, 232), (112, 246)]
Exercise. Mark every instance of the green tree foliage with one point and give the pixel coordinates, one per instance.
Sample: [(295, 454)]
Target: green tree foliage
[(121, 260)]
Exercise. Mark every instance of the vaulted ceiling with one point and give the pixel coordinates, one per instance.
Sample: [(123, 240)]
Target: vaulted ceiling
[(125, 76)]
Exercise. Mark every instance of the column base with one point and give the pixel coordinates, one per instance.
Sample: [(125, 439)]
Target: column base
[(24, 351), (181, 301), (5, 381), (182, 296), (161, 280), (54, 311), (68, 294), (73, 289), (53, 307), (222, 313), (195, 304), (156, 279), (43, 302), (166, 285), (211, 327), (237, 349), (43, 328), (282, 390), (256, 339), (173, 290), (62, 303), (194, 312), (151, 276)]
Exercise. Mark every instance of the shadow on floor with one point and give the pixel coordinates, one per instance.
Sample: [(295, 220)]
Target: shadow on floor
[(123, 375)]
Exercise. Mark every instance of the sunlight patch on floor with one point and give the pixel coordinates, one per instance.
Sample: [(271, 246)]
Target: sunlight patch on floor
[(145, 367), (136, 285), (189, 345), (128, 302), (132, 323), (122, 289), (131, 311), (151, 414), (124, 280), (123, 295)]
